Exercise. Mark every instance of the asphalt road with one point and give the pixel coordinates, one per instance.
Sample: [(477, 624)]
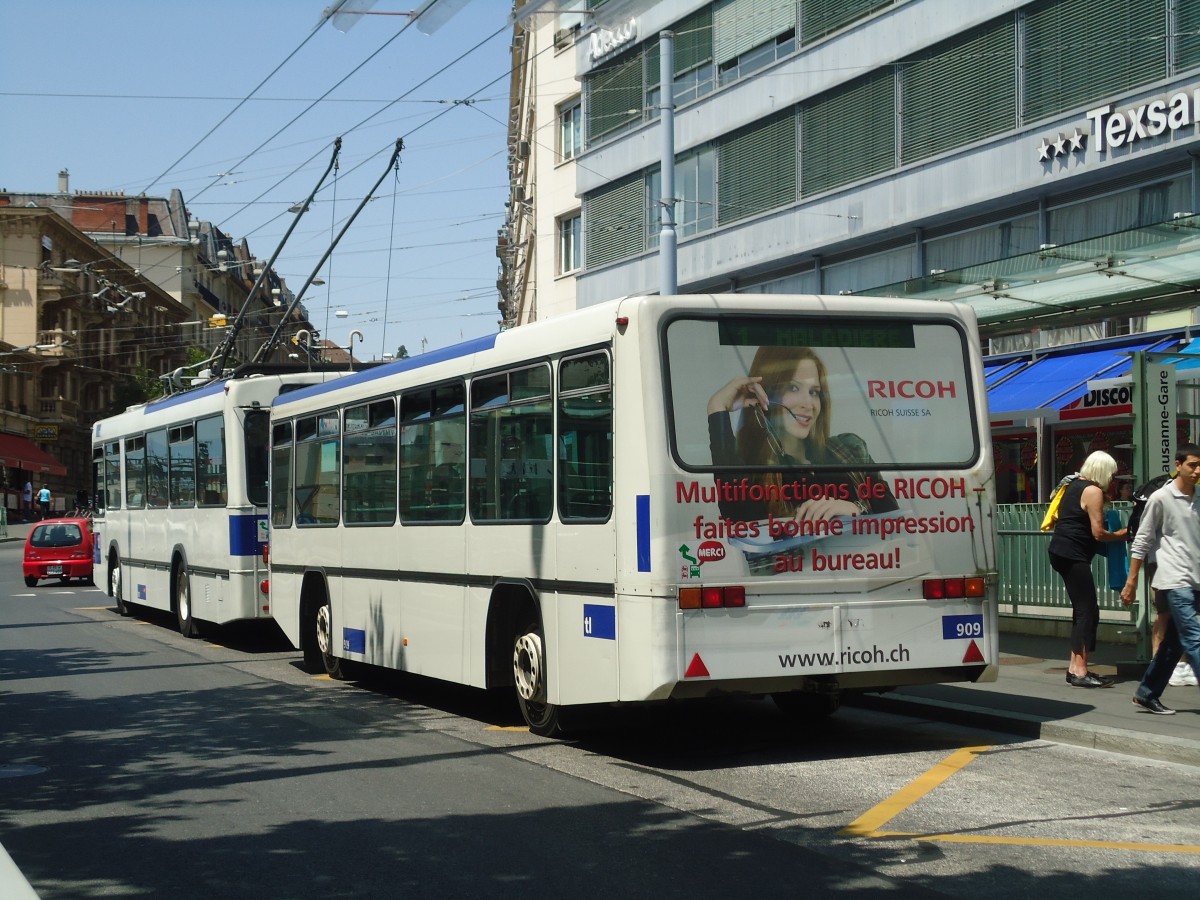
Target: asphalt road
[(136, 763)]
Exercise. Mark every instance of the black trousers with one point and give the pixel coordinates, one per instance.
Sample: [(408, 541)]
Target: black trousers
[(1085, 607)]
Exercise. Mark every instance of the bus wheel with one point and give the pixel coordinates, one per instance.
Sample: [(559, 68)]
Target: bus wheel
[(529, 674), (115, 588), (183, 605), (335, 667)]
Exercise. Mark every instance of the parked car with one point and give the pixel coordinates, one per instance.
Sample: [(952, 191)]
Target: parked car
[(59, 548)]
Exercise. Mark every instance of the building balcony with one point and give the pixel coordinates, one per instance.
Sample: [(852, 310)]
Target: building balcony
[(58, 409)]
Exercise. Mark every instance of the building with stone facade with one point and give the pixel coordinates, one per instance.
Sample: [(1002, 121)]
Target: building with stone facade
[(100, 295)]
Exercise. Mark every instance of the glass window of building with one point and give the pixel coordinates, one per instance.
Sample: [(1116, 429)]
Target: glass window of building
[(570, 129), (570, 235)]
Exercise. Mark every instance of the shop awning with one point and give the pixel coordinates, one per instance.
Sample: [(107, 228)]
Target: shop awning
[(22, 453), (1058, 379), (1188, 358)]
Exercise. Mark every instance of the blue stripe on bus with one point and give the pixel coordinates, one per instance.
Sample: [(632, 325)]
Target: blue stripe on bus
[(643, 532), (216, 387), (171, 400), (247, 534), (467, 348)]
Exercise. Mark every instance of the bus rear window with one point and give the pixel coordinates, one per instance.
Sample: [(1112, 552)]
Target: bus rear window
[(758, 392)]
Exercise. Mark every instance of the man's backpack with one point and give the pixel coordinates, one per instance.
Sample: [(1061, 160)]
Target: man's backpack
[(1140, 498)]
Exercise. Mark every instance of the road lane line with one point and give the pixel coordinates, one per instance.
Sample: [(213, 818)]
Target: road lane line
[(1039, 842), (875, 818)]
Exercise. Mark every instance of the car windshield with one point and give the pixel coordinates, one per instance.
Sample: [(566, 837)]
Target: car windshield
[(60, 534)]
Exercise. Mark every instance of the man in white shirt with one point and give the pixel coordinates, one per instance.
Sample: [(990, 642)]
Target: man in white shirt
[(1170, 527)]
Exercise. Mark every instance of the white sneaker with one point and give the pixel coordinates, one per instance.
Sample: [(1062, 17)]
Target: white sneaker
[(1183, 676)]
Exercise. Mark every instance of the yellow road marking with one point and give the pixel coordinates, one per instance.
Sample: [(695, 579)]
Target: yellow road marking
[(1040, 842), (873, 819), (507, 728), (868, 825)]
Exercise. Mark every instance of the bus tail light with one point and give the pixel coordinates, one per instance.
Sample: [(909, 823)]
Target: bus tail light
[(712, 597), (953, 588), (264, 587), (266, 554)]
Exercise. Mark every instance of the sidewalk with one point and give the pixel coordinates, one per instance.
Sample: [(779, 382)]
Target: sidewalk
[(1031, 699)]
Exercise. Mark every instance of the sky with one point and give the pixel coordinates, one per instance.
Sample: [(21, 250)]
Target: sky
[(146, 96)]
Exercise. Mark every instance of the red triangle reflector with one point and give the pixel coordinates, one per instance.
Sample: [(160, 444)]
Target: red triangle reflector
[(696, 669), (973, 655)]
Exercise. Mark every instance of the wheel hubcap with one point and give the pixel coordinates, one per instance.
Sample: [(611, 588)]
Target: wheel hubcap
[(323, 630), (527, 667), (114, 582)]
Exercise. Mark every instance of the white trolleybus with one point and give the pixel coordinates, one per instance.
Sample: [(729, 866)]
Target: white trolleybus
[(650, 499), (182, 482)]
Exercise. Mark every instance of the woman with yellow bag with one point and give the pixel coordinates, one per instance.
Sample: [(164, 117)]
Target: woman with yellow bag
[(1078, 534)]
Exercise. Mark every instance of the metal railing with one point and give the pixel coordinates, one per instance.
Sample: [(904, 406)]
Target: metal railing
[(1028, 586)]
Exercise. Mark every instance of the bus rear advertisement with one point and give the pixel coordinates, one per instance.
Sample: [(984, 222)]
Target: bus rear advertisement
[(651, 499)]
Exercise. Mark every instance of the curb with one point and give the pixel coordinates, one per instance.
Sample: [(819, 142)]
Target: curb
[(1163, 748)]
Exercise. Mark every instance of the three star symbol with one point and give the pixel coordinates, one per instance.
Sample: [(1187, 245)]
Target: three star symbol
[(1062, 145)]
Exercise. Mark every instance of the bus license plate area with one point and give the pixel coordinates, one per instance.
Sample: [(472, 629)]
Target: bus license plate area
[(823, 639)]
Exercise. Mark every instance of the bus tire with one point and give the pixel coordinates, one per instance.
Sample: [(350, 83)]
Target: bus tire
[(115, 588), (529, 676), (188, 626), (321, 640)]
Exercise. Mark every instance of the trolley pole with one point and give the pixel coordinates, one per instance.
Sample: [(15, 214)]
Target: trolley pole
[(668, 280)]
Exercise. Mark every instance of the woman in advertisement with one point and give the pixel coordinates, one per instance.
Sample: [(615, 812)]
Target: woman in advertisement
[(786, 411)]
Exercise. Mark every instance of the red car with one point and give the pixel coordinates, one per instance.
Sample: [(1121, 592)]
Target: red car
[(59, 548)]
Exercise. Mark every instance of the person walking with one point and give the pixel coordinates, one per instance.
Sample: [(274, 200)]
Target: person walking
[(44, 501), (1078, 534), (27, 500), (1170, 528)]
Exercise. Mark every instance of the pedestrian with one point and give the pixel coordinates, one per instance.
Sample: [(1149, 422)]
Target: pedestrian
[(44, 501), (27, 500), (1078, 534), (1170, 527)]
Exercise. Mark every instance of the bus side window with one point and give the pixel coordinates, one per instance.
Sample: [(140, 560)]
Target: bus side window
[(585, 423), (433, 433), (512, 426)]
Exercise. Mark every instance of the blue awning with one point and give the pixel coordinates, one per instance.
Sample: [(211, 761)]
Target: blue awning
[(1187, 362), (1060, 378)]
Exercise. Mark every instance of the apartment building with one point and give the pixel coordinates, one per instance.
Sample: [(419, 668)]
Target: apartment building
[(1033, 158)]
